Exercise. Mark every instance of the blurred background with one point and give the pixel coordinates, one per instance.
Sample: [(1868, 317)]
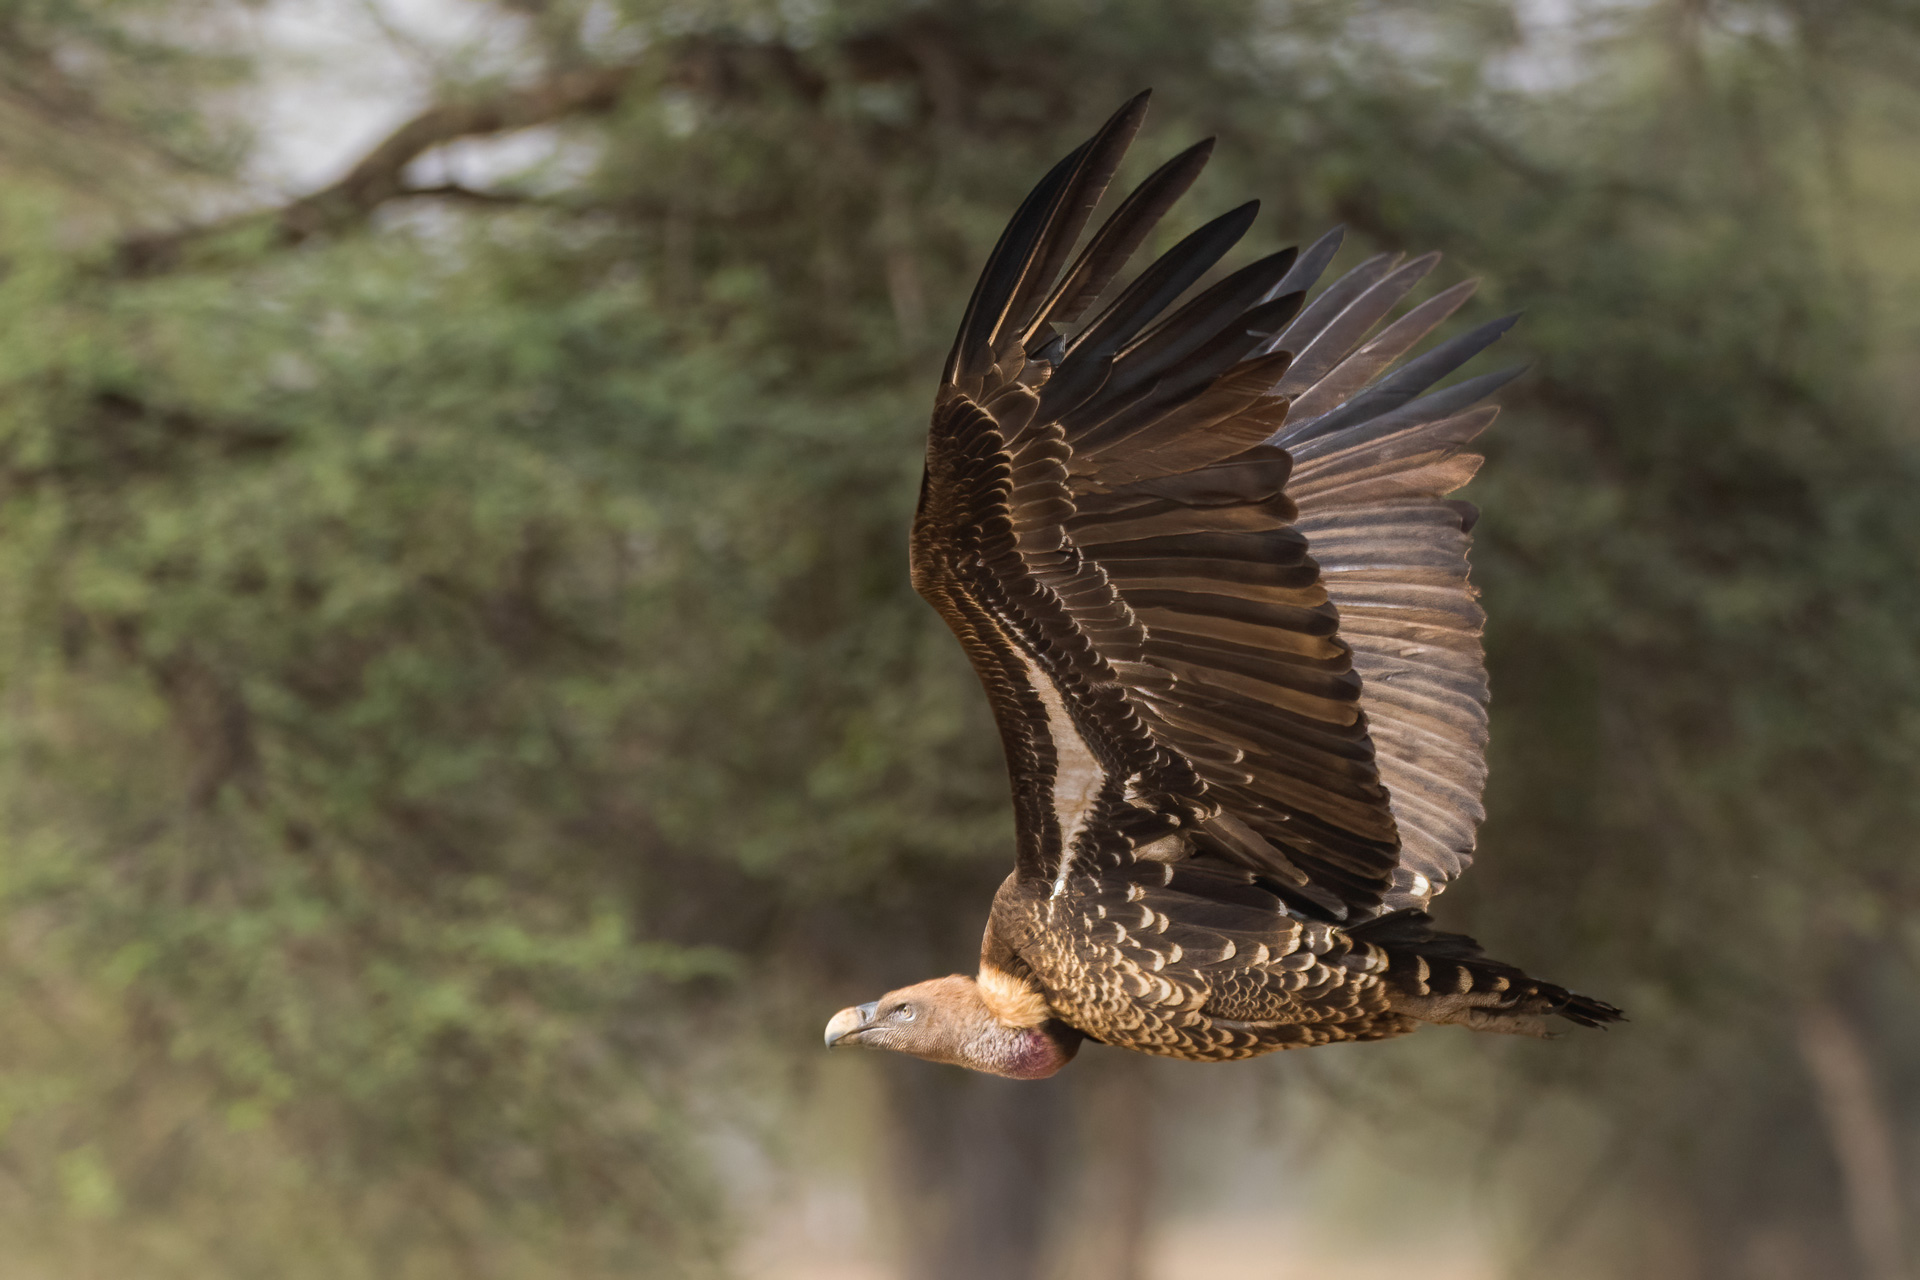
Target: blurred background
[(467, 724)]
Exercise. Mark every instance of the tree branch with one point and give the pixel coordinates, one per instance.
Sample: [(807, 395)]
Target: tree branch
[(377, 178), (922, 49), (466, 195)]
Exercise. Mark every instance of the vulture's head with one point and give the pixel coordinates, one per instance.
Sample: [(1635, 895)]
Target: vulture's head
[(995, 1024)]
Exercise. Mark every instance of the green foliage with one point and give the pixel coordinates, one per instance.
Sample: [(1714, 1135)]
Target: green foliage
[(466, 707)]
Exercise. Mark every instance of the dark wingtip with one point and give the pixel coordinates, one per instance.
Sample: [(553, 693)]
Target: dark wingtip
[(1497, 328), (1275, 314), (1185, 166), (1130, 114), (1501, 377), (1190, 162), (1334, 236), (1312, 262)]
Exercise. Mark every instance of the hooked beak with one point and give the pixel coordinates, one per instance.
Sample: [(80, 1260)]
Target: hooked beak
[(847, 1024)]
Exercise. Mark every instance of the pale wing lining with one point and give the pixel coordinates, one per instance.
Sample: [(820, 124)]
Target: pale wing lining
[(1077, 776)]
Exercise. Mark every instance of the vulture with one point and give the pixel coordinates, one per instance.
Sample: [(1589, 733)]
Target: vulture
[(1202, 557)]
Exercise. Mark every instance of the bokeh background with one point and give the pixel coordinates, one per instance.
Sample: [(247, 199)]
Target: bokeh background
[(466, 722)]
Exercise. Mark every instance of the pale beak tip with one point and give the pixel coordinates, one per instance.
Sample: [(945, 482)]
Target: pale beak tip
[(847, 1021), (843, 1023)]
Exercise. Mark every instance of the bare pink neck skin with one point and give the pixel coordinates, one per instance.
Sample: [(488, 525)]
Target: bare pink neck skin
[(1020, 1053)]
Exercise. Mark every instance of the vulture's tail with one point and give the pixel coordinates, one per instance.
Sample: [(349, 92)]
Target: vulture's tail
[(1446, 977)]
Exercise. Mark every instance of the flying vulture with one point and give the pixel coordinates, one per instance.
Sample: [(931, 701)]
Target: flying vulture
[(1204, 563)]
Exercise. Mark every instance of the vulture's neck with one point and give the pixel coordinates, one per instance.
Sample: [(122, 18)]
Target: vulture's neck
[(1014, 1032), (1020, 1053)]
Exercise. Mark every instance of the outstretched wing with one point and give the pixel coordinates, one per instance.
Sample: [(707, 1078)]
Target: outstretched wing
[(1127, 536)]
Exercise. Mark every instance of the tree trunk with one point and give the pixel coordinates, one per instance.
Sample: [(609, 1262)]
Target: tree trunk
[(1117, 1169), (1860, 1131), (975, 1168)]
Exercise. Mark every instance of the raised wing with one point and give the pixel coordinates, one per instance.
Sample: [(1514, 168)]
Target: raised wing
[(1113, 528)]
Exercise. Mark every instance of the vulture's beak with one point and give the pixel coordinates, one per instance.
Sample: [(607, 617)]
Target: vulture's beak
[(850, 1022)]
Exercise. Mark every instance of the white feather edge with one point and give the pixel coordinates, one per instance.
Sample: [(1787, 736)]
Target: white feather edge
[(1077, 776)]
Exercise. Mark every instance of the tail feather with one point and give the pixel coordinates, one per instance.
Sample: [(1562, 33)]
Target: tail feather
[(1446, 977)]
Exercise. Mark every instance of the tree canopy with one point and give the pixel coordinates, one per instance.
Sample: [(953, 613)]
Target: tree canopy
[(468, 721)]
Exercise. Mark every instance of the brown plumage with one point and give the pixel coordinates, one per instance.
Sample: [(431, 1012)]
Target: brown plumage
[(1206, 569)]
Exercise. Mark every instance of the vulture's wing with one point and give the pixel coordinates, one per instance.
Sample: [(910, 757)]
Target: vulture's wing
[(1210, 628)]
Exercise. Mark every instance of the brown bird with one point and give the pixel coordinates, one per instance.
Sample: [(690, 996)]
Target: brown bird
[(1206, 569)]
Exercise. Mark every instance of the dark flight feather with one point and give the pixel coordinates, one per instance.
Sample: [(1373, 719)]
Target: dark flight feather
[(1090, 356), (1117, 241)]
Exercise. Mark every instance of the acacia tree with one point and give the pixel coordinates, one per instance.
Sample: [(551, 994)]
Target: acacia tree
[(469, 715)]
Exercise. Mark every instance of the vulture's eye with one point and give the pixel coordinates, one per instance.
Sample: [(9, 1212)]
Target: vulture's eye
[(904, 1013)]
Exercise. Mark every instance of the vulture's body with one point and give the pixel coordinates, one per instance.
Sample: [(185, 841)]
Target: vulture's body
[(1205, 567)]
